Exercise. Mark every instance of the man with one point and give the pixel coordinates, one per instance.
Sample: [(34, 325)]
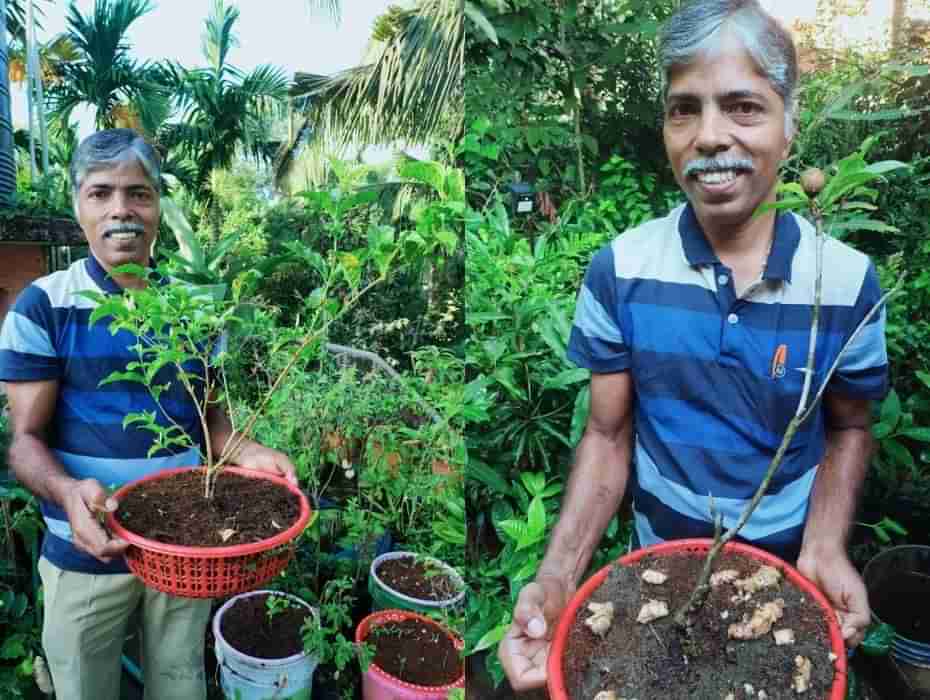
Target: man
[(69, 443), (694, 327)]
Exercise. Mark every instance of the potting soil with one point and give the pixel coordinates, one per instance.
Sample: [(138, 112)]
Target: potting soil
[(247, 628), (417, 579), (648, 660), (173, 510), (415, 652)]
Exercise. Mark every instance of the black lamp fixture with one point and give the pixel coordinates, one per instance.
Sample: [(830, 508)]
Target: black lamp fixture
[(522, 198)]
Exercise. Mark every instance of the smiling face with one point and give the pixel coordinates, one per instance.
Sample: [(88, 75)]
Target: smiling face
[(118, 210), (724, 135)]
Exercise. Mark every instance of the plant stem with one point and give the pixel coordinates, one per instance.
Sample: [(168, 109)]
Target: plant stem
[(237, 441), (698, 596)]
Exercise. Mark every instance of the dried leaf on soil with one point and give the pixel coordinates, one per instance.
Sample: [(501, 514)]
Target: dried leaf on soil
[(652, 610), (602, 618), (227, 533)]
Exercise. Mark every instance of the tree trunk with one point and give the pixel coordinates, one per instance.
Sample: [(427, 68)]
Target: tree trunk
[(7, 164), (898, 21)]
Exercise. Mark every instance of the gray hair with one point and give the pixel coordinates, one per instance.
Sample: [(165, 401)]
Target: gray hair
[(109, 148), (695, 29)]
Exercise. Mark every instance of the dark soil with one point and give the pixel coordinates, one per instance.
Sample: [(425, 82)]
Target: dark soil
[(174, 511), (417, 579), (247, 628), (416, 652), (648, 661), (901, 601)]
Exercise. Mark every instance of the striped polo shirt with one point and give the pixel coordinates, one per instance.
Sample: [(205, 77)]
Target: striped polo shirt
[(47, 335), (717, 377)]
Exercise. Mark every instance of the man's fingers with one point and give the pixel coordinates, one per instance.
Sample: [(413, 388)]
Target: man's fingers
[(528, 615), (523, 659)]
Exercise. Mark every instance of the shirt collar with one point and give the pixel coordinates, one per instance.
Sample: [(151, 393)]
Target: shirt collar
[(698, 250), (103, 279)]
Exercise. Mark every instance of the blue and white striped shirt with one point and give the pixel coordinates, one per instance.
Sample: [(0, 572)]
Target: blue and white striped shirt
[(47, 335), (717, 377)]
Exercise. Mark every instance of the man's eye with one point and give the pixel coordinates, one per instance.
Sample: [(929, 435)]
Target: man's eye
[(745, 108), (680, 110)]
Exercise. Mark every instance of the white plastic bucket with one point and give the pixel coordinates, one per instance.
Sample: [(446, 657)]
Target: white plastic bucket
[(244, 677)]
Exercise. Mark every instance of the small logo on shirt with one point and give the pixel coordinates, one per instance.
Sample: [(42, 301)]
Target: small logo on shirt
[(778, 361)]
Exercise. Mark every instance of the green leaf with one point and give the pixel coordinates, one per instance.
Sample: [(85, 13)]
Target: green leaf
[(920, 434), (881, 430), (536, 517), (885, 166), (516, 530), (480, 21), (924, 377), (891, 409), (487, 476), (893, 525), (566, 378), (898, 453), (493, 637), (13, 647), (533, 482), (863, 224), (580, 414), (504, 377), (878, 639)]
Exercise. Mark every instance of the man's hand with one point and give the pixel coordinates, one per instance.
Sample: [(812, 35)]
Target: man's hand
[(838, 580), (255, 456), (83, 503), (524, 650)]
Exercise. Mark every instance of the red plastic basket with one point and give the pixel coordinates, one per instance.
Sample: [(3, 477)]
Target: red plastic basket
[(385, 681), (209, 572), (697, 547)]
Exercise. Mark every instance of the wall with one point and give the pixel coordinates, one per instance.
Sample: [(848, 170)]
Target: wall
[(20, 264)]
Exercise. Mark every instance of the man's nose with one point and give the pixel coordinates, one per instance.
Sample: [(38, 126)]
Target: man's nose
[(713, 132), (122, 208)]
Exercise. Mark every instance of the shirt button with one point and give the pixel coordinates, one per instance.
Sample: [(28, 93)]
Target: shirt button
[(733, 319), (723, 279)]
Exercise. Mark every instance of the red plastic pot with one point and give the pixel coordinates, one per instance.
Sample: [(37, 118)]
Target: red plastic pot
[(209, 572), (378, 684), (696, 547)]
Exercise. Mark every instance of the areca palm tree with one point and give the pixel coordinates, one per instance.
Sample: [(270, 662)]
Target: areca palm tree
[(411, 90), (105, 75), (222, 109)]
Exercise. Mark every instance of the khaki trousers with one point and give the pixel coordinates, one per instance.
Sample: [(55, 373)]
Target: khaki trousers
[(86, 618)]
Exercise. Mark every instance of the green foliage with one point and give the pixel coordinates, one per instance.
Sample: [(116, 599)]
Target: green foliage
[(322, 633)]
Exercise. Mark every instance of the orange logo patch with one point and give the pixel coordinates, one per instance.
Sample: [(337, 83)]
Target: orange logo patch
[(778, 361)]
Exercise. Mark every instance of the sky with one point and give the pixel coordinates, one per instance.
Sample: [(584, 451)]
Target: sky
[(284, 33), (873, 26)]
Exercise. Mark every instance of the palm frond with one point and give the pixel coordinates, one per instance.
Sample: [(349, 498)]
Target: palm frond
[(218, 37), (411, 92)]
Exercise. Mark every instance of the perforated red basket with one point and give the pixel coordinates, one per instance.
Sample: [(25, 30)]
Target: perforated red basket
[(209, 572), (696, 547)]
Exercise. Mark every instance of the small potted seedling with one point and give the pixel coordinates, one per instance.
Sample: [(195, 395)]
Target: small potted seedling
[(171, 325), (259, 646), (412, 657), (410, 581)]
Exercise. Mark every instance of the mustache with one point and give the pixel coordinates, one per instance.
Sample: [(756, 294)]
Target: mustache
[(710, 165), (125, 228)]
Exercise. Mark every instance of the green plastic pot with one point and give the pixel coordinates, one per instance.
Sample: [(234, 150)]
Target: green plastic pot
[(385, 598)]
